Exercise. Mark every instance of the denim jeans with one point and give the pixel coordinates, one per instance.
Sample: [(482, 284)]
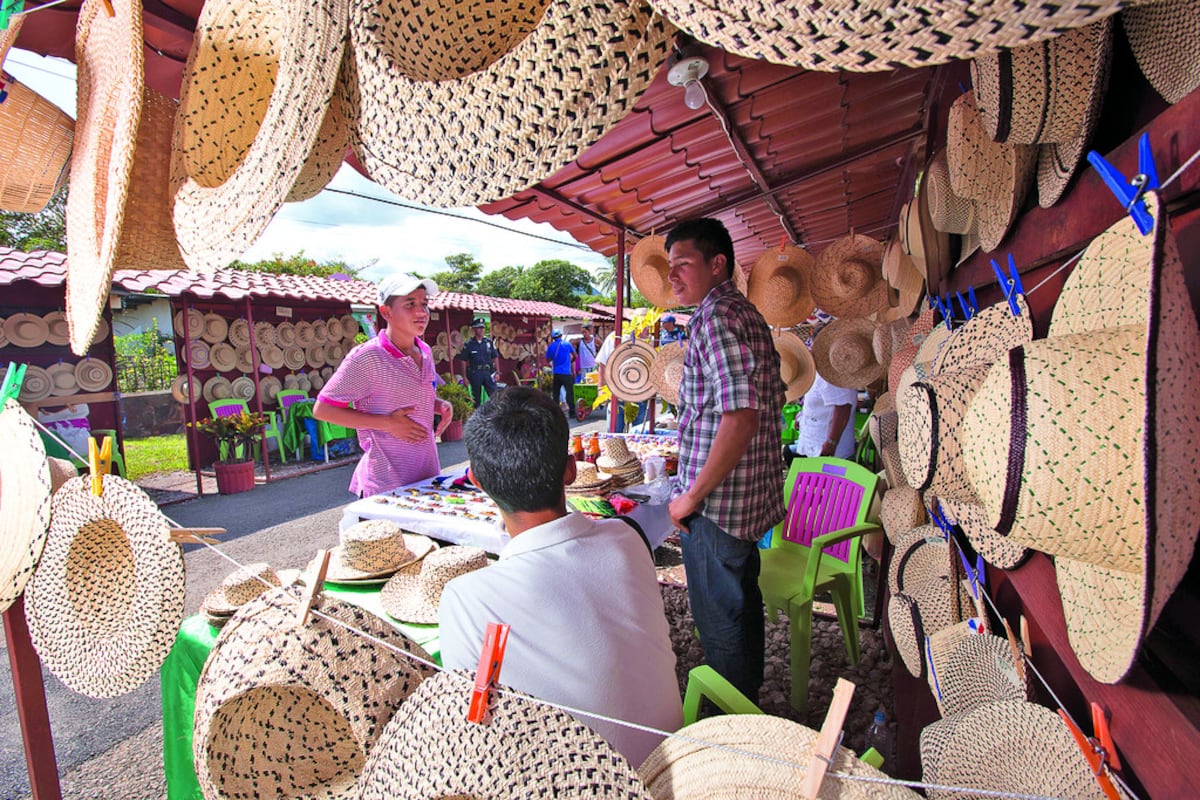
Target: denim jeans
[(722, 581)]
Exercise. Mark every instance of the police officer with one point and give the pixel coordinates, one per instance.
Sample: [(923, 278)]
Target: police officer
[(480, 355)]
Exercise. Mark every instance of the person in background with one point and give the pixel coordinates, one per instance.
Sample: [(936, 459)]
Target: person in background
[(606, 351), (824, 423), (564, 362), (479, 354), (588, 628), (587, 350), (384, 389), (729, 488), (527, 370), (670, 332)]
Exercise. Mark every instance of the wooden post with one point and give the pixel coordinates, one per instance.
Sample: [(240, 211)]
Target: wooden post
[(615, 407), (31, 705)]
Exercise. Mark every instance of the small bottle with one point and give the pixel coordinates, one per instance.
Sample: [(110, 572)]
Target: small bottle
[(879, 736), (593, 449), (577, 447)]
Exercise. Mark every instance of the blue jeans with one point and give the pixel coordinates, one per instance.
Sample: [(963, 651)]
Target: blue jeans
[(722, 582)]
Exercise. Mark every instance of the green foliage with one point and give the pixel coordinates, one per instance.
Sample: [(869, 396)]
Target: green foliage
[(606, 277), (499, 283), (43, 230), (298, 264), (143, 362), (462, 276), (155, 454), (458, 396), (545, 380), (553, 281), (234, 434)]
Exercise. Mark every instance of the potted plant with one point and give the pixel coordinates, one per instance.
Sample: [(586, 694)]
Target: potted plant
[(459, 397), (236, 436)]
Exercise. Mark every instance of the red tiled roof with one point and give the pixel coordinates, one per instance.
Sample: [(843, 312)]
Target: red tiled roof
[(629, 313), (43, 267), (504, 305)]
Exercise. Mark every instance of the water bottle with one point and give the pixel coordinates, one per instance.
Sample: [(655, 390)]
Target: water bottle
[(879, 736)]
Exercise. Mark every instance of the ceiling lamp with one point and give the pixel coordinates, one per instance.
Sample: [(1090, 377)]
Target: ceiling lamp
[(686, 71)]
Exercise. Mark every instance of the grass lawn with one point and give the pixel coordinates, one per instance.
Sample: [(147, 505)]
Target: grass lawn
[(155, 454)]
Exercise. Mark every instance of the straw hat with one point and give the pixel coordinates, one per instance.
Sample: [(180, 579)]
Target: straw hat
[(244, 359), (902, 275), (302, 383), (304, 334), (972, 520), (93, 375), (901, 511), (891, 464), (107, 598), (375, 548), (335, 353), (62, 379), (1029, 751), (844, 354), (320, 332), (234, 170), (285, 334), (264, 333), (293, 357), (449, 114), (986, 337), (37, 384), (291, 381), (268, 387), (648, 269), (929, 247), (57, 330), (351, 328), (242, 388), (274, 695), (326, 372), (921, 553), (1119, 350), (969, 670), (930, 414), (238, 588), (26, 330), (797, 369), (215, 328), (588, 480), (430, 749), (189, 323), (413, 593), (705, 762), (179, 388), (331, 146), (223, 357), (315, 356), (272, 356), (456, 341), (666, 372), (950, 212), (333, 326), (1155, 32), (847, 277), (923, 608), (315, 381), (778, 285), (628, 371), (239, 333), (24, 500), (615, 455), (217, 388)]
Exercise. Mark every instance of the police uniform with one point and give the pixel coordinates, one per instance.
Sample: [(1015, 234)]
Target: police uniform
[(480, 355)]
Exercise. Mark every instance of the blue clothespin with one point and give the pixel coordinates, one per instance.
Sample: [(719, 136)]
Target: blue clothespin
[(945, 308), (974, 574), (970, 306), (14, 379), (939, 517), (1010, 284), (1129, 192)]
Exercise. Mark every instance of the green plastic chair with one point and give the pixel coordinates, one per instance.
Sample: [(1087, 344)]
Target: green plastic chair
[(286, 398), (815, 549), (231, 406)]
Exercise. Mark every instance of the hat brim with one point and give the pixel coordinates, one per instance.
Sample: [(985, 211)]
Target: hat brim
[(25, 497), (339, 571), (629, 369), (648, 269)]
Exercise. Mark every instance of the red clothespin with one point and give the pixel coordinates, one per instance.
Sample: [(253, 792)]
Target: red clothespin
[(828, 739), (1099, 750), (488, 673), (783, 240)]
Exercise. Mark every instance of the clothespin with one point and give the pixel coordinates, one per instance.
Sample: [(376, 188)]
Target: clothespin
[(783, 240), (314, 588), (108, 7), (1010, 284), (939, 518), (1015, 647), (14, 379), (193, 535), (944, 308), (487, 675), (974, 574), (99, 463), (1099, 750), (828, 739), (970, 306), (1129, 192), (3, 91)]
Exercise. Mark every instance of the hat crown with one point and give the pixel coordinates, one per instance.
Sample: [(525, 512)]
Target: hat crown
[(616, 452), (444, 565), (374, 546)]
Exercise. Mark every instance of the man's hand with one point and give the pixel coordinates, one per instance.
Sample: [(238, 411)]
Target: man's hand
[(828, 449), (681, 508), (447, 414), (404, 427)]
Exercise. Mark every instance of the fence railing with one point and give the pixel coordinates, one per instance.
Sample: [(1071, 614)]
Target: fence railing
[(144, 372)]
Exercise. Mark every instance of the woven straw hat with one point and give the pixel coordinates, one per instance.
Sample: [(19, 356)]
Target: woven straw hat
[(26, 330), (929, 247), (93, 375), (922, 609), (351, 328), (588, 479), (189, 323), (24, 501), (972, 520), (268, 387), (901, 511), (57, 329), (331, 146), (290, 380), (966, 671), (951, 212), (778, 285), (1029, 750), (107, 598), (233, 171), (179, 388), (217, 388), (238, 588), (666, 372), (844, 353), (430, 749), (986, 337), (242, 388), (648, 269), (239, 333), (336, 353), (274, 695), (921, 553), (614, 455), (704, 763), (62, 379), (413, 593), (884, 427), (448, 113), (891, 464), (272, 356), (37, 384), (303, 383), (375, 548), (285, 334), (315, 356), (628, 371), (1119, 350), (315, 381), (320, 332), (293, 357), (847, 277), (264, 333), (334, 326), (304, 334), (1155, 33), (244, 359), (196, 352), (902, 275), (930, 414), (223, 357), (215, 328), (797, 369)]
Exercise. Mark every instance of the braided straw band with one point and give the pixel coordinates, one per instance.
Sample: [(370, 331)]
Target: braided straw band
[(24, 501)]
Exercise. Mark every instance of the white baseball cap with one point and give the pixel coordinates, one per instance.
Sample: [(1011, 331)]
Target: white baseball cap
[(401, 284)]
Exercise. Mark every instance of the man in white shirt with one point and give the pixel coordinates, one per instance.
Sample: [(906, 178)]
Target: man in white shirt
[(824, 425), (588, 629)]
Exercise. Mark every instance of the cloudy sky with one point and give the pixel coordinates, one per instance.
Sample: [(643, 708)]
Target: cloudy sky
[(358, 230)]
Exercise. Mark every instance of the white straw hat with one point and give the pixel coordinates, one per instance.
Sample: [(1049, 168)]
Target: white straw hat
[(24, 501)]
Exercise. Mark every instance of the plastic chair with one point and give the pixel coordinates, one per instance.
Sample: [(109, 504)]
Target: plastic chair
[(231, 407), (286, 399), (828, 500), (118, 460)]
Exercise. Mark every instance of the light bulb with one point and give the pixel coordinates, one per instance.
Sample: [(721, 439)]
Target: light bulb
[(694, 95)]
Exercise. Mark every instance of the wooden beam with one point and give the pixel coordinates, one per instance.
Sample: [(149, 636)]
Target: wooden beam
[(70, 399), (559, 199)]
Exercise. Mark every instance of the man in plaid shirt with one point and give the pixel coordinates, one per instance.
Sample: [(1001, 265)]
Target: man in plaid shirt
[(729, 489)]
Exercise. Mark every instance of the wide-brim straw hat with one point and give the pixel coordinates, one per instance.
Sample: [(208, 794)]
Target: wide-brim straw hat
[(449, 114), (351, 328), (986, 337), (244, 359), (778, 285), (928, 246), (233, 171), (334, 326), (276, 692), (58, 331), (1115, 504), (414, 593), (320, 332), (456, 341), (847, 277), (972, 520), (238, 588), (920, 553), (197, 353), (1154, 31), (239, 333), (375, 548), (179, 388), (272, 355), (93, 375), (648, 269), (902, 275), (293, 357), (62, 379), (666, 372), (331, 145), (950, 211), (24, 501), (242, 388), (107, 598), (37, 384), (797, 369), (216, 328), (753, 755), (614, 455), (315, 356), (930, 414), (1029, 751), (189, 323), (304, 334), (922, 609), (844, 353), (268, 387), (223, 357), (26, 330), (900, 511), (264, 334), (527, 748), (628, 371), (217, 387), (967, 670), (285, 334)]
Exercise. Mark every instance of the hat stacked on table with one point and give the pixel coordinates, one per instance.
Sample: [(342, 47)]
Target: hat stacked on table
[(239, 588), (588, 480), (373, 550), (414, 593), (617, 461)]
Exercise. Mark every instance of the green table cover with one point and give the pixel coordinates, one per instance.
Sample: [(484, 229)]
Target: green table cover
[(293, 429)]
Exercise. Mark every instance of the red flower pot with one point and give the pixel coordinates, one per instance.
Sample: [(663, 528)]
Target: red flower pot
[(453, 432), (235, 477)]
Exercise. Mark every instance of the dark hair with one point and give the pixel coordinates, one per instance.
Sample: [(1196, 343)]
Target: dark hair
[(517, 443), (708, 235)]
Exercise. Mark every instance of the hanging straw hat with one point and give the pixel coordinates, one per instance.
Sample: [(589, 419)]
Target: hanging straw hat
[(326, 372), (315, 356), (375, 548), (93, 375), (844, 354), (334, 354), (334, 326), (26, 330), (648, 269), (285, 334), (189, 323), (243, 388), (902, 275), (198, 353), (666, 372), (264, 333), (62, 379), (1113, 504), (304, 334), (847, 277), (778, 285), (239, 333), (244, 359), (37, 384), (179, 388), (351, 328), (268, 387), (293, 357), (215, 328), (58, 332), (925, 607), (966, 670), (331, 145), (449, 114), (282, 64), (442, 339), (711, 759), (24, 501), (797, 369), (107, 598), (302, 383), (272, 356), (217, 388), (1155, 32), (274, 692), (223, 357), (628, 371), (238, 588), (413, 593), (901, 511), (291, 381), (527, 748), (320, 332), (921, 552), (972, 520), (315, 381), (950, 211), (456, 341)]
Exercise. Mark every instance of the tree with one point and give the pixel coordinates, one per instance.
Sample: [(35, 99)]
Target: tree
[(462, 276), (299, 264), (553, 281), (499, 283), (42, 230), (606, 277)]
